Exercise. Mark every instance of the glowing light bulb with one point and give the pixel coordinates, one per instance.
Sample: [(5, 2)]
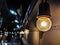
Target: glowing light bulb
[(44, 23)]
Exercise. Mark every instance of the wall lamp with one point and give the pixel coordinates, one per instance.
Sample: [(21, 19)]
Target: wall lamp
[(44, 22)]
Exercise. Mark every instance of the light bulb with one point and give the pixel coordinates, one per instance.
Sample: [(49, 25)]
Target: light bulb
[(44, 23)]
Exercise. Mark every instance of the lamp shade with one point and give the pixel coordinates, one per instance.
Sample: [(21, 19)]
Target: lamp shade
[(44, 23), (44, 8)]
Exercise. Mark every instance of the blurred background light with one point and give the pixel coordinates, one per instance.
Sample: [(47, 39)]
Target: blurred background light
[(18, 26), (16, 21), (26, 31), (22, 32), (13, 12)]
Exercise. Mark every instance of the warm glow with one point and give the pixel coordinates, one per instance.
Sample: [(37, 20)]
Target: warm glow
[(21, 32), (26, 31), (43, 23)]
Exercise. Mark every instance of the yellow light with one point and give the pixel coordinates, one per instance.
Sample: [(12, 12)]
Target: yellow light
[(26, 31), (21, 32), (44, 23)]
